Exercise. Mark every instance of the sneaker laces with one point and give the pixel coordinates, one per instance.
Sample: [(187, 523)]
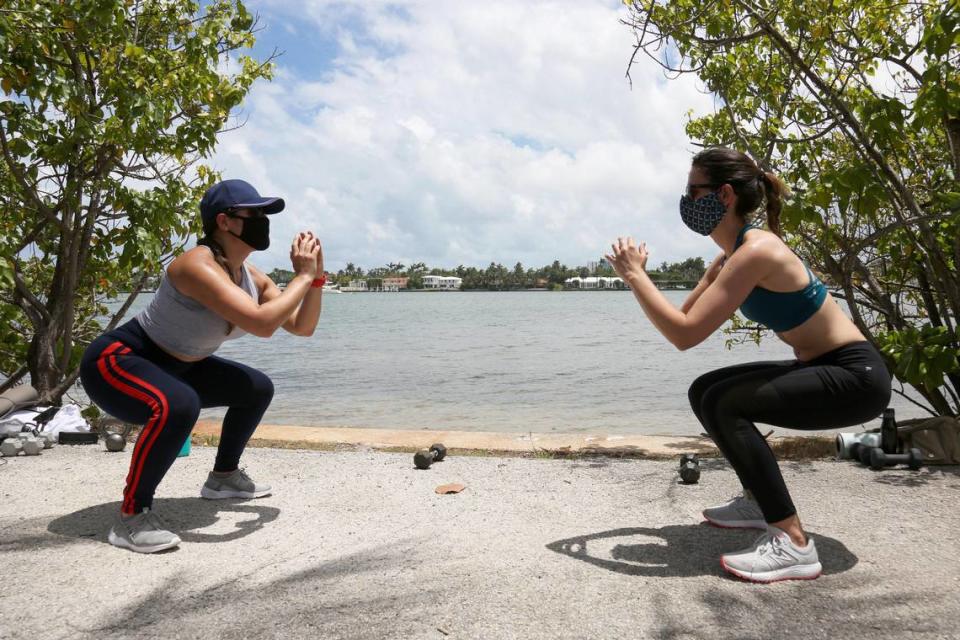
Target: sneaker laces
[(744, 505), (155, 520), (738, 501), (150, 518), (770, 543)]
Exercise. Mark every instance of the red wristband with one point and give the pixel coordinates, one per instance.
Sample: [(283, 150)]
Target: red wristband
[(319, 282)]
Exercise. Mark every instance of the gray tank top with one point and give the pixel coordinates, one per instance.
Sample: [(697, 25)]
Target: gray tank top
[(180, 324)]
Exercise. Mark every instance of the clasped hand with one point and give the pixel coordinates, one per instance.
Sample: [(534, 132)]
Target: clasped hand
[(628, 258), (306, 254)]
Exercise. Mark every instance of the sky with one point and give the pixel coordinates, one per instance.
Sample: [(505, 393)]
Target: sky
[(465, 133)]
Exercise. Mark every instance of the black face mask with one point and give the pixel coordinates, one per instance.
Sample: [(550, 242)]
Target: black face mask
[(255, 232)]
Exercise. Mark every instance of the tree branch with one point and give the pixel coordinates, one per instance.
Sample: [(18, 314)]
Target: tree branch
[(21, 179), (14, 378), (24, 291)]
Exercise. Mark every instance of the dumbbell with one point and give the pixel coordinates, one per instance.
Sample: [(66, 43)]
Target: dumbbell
[(10, 447), (878, 459), (689, 468), (424, 458), (31, 446), (849, 445)]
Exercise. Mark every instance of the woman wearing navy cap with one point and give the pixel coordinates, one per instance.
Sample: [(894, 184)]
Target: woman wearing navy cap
[(159, 370)]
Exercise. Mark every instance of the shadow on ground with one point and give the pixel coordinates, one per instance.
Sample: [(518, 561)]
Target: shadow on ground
[(902, 477), (680, 550), (846, 608), (187, 516), (351, 596)]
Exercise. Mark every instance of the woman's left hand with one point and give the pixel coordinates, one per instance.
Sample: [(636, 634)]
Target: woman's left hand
[(628, 258), (314, 240)]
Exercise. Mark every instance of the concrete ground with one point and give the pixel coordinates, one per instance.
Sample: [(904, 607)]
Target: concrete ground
[(358, 545)]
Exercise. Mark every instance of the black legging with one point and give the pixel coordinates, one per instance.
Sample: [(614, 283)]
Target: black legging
[(131, 378), (844, 387)]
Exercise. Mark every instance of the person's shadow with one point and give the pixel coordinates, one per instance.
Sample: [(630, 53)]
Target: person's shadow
[(680, 550), (187, 517)]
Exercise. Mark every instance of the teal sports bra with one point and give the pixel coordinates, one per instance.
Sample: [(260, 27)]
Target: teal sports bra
[(782, 310)]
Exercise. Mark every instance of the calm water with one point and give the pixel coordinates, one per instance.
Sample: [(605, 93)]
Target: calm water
[(483, 361)]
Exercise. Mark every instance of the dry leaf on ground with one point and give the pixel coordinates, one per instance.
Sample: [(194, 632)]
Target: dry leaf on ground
[(450, 488)]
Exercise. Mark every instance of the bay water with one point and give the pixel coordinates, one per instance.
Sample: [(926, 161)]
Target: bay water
[(525, 361)]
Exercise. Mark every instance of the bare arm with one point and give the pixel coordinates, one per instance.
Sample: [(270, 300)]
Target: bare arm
[(711, 308), (708, 277), (201, 278), (303, 321)]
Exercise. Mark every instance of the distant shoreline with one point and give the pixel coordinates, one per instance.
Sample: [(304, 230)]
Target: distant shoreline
[(483, 290), (126, 293)]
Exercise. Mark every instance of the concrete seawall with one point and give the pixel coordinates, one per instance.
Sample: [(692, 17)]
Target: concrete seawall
[(641, 446)]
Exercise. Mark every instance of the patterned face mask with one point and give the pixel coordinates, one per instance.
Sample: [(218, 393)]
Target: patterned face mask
[(702, 215)]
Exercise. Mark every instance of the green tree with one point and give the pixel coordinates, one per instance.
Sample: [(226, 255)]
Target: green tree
[(281, 276), (856, 103), (519, 276), (109, 105), (415, 273)]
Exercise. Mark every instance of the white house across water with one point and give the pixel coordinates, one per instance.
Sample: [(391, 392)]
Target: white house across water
[(442, 282), (594, 282)]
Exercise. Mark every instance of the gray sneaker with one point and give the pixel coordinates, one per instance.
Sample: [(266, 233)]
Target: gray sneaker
[(774, 557), (740, 513), (142, 532), (236, 485)]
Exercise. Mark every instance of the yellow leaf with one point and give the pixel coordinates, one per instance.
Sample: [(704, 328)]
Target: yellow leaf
[(69, 25), (7, 85)]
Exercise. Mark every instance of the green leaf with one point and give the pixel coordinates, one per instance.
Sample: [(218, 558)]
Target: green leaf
[(146, 63)]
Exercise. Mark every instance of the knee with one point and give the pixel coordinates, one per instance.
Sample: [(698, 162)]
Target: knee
[(696, 392), (183, 408), (714, 408), (261, 387)]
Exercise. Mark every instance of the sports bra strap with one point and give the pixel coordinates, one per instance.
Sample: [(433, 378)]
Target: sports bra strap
[(743, 230)]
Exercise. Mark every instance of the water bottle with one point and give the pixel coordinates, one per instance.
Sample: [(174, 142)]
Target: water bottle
[(888, 432)]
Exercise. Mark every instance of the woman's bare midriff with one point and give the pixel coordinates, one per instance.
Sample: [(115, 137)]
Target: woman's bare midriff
[(826, 330)]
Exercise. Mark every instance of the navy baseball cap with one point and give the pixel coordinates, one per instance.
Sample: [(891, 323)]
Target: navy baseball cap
[(235, 194)]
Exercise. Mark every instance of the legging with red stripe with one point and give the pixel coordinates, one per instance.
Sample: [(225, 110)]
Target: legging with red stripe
[(131, 378)]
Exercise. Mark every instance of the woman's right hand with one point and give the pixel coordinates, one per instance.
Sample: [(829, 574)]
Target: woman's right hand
[(303, 254)]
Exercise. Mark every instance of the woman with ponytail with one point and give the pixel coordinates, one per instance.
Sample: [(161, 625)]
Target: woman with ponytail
[(159, 370), (838, 378)]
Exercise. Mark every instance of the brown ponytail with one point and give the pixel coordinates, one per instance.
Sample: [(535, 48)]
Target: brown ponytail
[(753, 186), (775, 191)]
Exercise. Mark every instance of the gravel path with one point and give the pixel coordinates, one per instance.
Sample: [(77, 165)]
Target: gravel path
[(358, 545)]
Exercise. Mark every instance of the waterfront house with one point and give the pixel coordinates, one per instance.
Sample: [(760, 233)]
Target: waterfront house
[(394, 284), (355, 285), (448, 283), (594, 282)]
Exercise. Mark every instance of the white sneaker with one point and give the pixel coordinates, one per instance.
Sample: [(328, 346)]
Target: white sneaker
[(774, 557), (739, 513), (236, 485), (142, 532)]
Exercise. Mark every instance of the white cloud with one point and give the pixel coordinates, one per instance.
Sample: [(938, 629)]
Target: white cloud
[(464, 133)]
